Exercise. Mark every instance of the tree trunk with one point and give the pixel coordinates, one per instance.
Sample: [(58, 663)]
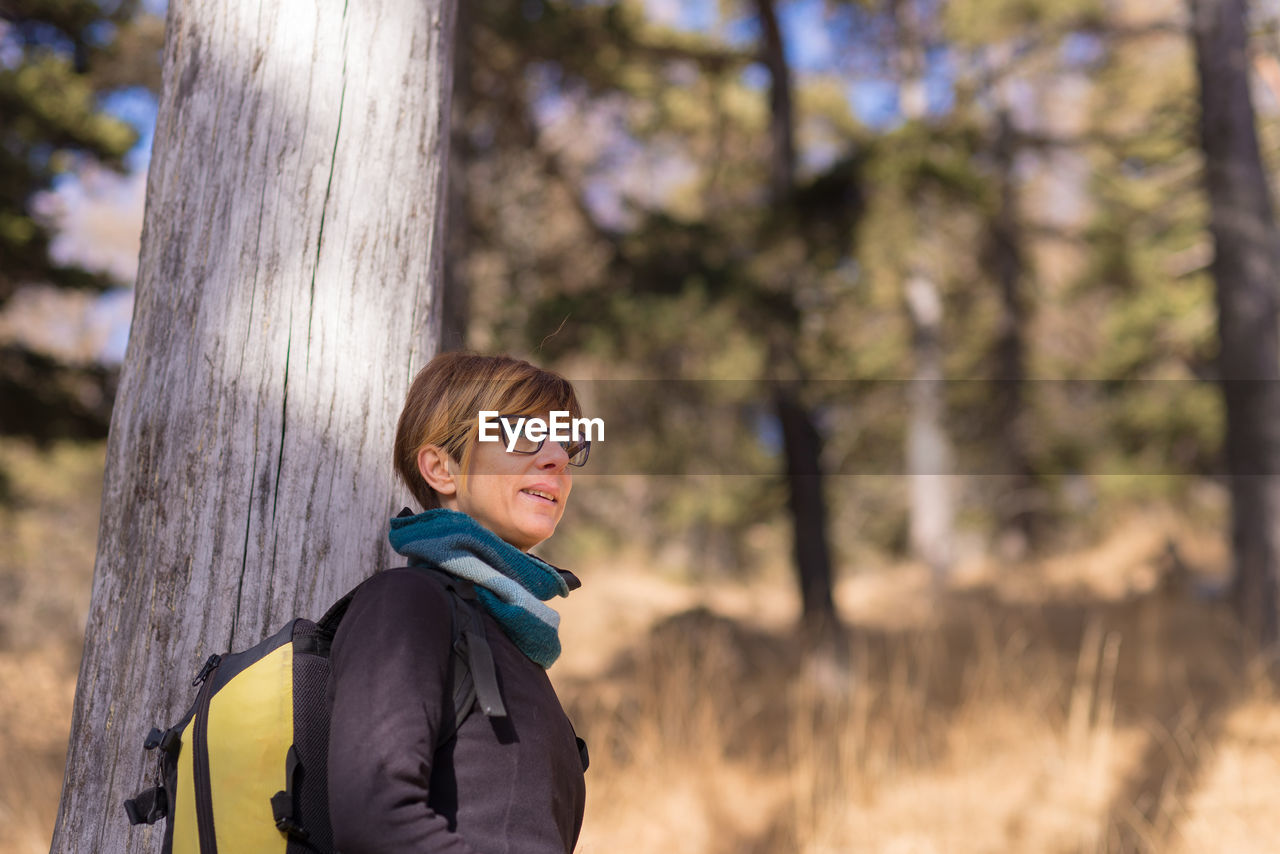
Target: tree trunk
[(782, 161), (1016, 508), (803, 448), (1245, 268), (801, 440), (928, 447), (286, 294)]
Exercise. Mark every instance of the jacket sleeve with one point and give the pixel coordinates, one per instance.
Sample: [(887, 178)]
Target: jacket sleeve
[(388, 685)]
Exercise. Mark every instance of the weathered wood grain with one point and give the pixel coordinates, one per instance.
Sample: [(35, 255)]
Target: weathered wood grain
[(287, 291)]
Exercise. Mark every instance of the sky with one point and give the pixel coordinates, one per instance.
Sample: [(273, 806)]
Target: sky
[(817, 37), (98, 213)]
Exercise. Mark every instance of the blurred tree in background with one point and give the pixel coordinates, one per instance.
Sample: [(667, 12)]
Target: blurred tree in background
[(995, 276), (58, 60), (1246, 267)]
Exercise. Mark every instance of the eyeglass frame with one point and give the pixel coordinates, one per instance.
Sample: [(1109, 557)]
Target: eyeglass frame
[(585, 445)]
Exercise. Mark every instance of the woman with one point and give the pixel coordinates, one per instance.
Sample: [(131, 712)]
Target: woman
[(400, 778)]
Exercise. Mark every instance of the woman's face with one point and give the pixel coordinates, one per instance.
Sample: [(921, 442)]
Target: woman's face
[(520, 497)]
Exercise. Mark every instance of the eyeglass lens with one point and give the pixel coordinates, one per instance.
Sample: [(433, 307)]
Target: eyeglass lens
[(577, 451)]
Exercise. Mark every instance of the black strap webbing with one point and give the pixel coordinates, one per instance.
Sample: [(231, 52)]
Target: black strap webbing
[(148, 806), (282, 803), (329, 622), (483, 673), (479, 656), (462, 685)]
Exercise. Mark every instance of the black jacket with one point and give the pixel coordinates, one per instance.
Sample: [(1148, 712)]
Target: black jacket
[(501, 786)]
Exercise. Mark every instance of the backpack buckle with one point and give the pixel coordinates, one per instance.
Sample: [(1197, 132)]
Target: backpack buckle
[(282, 811), (148, 806)]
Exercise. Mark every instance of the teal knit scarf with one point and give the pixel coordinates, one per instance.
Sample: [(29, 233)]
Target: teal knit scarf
[(510, 584)]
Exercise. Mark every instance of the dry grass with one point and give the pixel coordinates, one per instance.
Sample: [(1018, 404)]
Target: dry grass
[(1097, 703), (1091, 703), (47, 537)]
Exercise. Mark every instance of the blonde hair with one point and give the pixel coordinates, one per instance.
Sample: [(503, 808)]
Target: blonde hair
[(445, 400)]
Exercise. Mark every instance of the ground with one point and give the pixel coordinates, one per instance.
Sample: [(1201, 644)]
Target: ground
[(1096, 701)]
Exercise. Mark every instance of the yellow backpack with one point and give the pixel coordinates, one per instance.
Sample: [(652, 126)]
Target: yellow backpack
[(244, 770)]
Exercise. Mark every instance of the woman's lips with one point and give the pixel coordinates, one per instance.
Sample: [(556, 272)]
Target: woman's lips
[(544, 498)]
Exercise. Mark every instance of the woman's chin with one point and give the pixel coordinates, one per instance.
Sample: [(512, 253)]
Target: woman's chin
[(532, 532)]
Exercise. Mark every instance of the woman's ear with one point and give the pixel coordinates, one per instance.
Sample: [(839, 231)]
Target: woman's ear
[(438, 469)]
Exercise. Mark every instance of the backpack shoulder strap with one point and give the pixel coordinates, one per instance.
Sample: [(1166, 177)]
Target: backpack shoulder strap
[(320, 641), (329, 622), (462, 686), (475, 676), (479, 657)]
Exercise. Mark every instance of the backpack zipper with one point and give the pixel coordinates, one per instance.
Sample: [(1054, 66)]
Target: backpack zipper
[(200, 759)]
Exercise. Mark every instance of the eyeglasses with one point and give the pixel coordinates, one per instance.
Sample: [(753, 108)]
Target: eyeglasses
[(578, 451)]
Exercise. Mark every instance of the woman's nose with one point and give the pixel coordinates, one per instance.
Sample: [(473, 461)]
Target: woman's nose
[(553, 456)]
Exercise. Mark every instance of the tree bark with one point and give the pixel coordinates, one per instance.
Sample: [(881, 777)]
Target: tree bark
[(928, 446), (800, 437), (1246, 268), (1016, 510), (803, 448), (287, 293), (782, 162)]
